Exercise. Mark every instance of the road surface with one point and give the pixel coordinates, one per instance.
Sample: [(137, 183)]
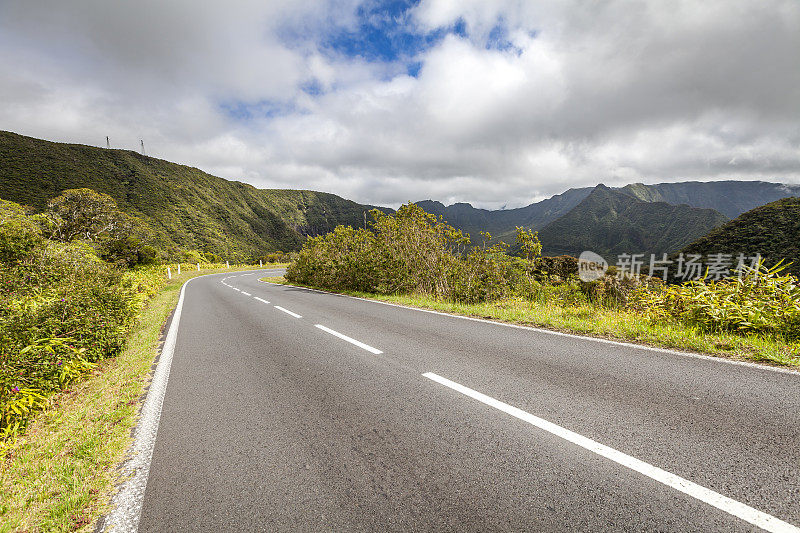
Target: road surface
[(291, 409)]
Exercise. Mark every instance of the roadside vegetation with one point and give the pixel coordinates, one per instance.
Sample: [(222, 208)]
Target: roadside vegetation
[(59, 474), (414, 258), (83, 299), (73, 282)]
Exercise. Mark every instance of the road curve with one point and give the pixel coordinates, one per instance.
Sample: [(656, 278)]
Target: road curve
[(290, 409)]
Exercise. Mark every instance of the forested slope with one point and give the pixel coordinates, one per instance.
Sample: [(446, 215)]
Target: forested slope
[(186, 207)]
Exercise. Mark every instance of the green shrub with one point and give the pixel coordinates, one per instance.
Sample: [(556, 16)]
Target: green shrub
[(558, 268), (19, 235), (27, 379), (761, 301), (62, 309), (612, 291), (128, 251), (565, 293), (275, 257), (410, 251)]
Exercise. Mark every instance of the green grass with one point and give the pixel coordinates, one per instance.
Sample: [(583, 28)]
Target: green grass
[(608, 324), (59, 475)]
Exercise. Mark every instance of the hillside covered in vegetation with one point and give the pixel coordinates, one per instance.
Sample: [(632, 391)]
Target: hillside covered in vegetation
[(772, 230), (187, 208)]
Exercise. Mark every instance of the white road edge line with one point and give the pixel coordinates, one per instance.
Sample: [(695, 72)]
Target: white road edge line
[(237, 290), (246, 293), (260, 300), (558, 333), (127, 503), (730, 506), (360, 344), (279, 308)]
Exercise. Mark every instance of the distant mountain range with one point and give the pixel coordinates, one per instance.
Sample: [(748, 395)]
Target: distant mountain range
[(731, 198), (502, 223), (187, 208), (636, 218)]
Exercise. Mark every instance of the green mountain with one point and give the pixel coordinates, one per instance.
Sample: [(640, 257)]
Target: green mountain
[(610, 222), (187, 208), (772, 230), (731, 198)]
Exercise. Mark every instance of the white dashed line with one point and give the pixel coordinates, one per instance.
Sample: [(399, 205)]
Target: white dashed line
[(279, 308), (694, 355), (360, 344), (246, 293), (260, 300), (730, 506)]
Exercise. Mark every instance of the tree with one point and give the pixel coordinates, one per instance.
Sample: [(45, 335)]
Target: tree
[(83, 214), (86, 215), (529, 244)]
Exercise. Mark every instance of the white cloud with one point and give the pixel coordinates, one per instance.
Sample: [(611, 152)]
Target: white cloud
[(610, 92)]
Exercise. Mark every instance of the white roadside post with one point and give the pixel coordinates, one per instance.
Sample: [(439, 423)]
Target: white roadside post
[(179, 269), (227, 264), (198, 267), (261, 263), (169, 273)]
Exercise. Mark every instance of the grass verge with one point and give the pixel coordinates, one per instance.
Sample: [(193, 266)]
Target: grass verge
[(608, 324), (60, 474)]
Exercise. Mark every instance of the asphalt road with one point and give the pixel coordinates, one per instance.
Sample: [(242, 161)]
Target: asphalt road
[(272, 423)]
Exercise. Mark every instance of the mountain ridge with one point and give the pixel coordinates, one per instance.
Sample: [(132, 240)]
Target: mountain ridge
[(610, 222), (186, 207), (729, 197), (502, 223), (191, 209)]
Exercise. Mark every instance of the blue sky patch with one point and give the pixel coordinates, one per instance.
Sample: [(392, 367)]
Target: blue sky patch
[(384, 33), (312, 88), (244, 111), (498, 38)]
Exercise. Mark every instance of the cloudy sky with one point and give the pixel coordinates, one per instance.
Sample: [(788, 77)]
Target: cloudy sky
[(497, 103)]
